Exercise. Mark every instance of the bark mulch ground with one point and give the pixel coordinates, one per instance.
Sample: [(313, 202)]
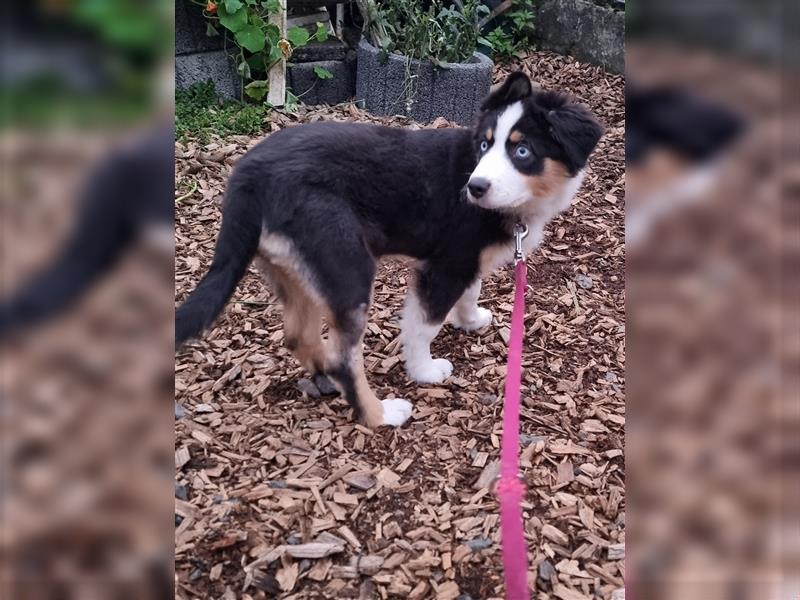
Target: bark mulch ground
[(281, 494)]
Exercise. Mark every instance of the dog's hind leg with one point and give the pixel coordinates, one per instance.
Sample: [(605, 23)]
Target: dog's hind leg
[(347, 332), (302, 317)]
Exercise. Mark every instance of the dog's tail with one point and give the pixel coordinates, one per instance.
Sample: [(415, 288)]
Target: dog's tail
[(92, 249), (236, 245)]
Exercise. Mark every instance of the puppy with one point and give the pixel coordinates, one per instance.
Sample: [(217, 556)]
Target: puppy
[(316, 206)]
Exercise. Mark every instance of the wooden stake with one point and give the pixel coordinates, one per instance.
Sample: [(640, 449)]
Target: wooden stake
[(277, 74)]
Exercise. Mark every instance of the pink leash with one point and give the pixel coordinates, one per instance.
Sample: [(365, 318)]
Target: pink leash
[(510, 488)]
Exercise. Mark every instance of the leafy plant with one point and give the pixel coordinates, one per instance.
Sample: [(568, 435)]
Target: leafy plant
[(516, 35), (200, 113), (259, 41), (439, 33)]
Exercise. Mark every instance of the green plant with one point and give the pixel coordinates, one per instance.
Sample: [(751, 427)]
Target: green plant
[(516, 35), (441, 33), (259, 42), (322, 73), (200, 113)]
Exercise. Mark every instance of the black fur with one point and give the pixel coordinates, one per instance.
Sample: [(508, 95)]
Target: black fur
[(346, 194), (516, 87), (127, 192), (669, 118)]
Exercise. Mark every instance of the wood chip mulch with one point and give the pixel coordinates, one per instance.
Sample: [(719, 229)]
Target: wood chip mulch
[(281, 494)]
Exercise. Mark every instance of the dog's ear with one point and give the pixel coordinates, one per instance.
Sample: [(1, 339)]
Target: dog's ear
[(516, 87), (577, 132)]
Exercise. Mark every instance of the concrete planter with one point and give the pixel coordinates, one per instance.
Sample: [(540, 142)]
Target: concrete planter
[(454, 92)]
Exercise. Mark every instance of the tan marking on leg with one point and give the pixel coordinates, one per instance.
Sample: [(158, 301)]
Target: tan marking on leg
[(371, 408), (302, 316), (551, 181), (515, 137)]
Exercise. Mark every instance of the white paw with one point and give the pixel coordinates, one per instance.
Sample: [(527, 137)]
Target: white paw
[(478, 320), (396, 411), (433, 371)]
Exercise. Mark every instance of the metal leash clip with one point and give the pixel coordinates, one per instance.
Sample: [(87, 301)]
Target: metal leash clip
[(520, 233)]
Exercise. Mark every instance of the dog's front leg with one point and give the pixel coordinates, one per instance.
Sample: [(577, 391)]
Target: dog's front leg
[(466, 314), (425, 309)]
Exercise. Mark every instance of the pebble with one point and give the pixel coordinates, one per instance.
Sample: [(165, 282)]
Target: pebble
[(179, 411), (277, 485), (527, 440), (325, 385), (546, 570), (487, 399), (480, 543), (307, 387), (584, 281), (611, 377), (181, 493)]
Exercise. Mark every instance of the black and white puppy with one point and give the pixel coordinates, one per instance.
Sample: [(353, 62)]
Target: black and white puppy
[(318, 205)]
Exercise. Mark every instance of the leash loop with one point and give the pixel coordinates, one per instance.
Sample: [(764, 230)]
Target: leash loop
[(520, 233)]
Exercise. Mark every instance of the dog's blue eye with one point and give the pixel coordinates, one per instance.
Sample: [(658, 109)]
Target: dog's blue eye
[(484, 146), (522, 152)]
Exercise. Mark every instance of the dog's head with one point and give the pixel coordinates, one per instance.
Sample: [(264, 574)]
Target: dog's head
[(531, 146)]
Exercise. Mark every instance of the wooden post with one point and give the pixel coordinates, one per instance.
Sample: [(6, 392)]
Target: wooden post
[(339, 28), (277, 74)]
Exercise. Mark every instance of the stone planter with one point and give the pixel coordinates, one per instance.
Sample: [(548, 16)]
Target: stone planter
[(454, 93)]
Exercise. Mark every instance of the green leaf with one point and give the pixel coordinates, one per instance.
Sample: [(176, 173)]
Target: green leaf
[(251, 38), (257, 21), (211, 31), (232, 21), (244, 69), (291, 101), (323, 73), (273, 34), (298, 36), (257, 89), (321, 34), (233, 5), (272, 6), (274, 56)]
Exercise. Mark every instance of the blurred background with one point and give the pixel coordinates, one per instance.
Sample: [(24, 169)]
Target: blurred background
[(711, 280), (86, 367)]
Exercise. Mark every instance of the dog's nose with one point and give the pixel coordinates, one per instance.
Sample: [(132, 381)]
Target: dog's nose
[(478, 186)]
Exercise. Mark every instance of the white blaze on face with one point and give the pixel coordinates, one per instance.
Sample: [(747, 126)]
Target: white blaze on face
[(508, 187)]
